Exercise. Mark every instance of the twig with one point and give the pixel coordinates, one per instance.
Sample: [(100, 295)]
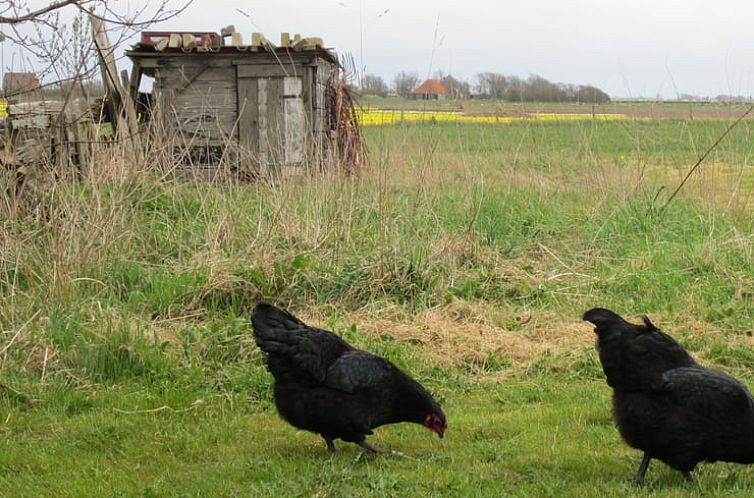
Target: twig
[(15, 336), (196, 404), (44, 365), (562, 263), (704, 156)]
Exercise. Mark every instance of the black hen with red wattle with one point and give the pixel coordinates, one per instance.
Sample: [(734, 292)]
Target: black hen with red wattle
[(326, 386)]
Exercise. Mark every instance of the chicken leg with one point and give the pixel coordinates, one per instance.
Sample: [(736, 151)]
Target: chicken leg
[(643, 468), (377, 449)]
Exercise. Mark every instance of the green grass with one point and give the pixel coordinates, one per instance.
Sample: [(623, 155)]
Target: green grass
[(466, 255), (539, 436)]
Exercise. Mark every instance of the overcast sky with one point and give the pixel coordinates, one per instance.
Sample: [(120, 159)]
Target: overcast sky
[(627, 48)]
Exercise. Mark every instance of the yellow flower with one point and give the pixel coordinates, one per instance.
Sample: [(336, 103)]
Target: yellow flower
[(378, 117)]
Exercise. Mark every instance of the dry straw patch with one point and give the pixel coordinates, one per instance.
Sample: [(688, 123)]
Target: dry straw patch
[(465, 333), (472, 334)]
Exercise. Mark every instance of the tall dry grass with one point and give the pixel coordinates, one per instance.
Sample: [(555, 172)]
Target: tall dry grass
[(480, 244)]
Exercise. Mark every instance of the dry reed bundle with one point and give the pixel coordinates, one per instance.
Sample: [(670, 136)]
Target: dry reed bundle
[(343, 122)]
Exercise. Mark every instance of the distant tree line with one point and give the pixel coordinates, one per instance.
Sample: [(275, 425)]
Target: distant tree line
[(534, 89), (489, 85)]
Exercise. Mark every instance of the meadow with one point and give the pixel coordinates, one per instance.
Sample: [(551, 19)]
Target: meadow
[(466, 253)]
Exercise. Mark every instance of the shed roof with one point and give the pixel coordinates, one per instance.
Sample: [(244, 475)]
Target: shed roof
[(184, 43), (430, 87), (14, 83)]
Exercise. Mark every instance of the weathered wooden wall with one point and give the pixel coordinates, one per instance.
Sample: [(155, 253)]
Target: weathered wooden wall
[(265, 114), (198, 106)]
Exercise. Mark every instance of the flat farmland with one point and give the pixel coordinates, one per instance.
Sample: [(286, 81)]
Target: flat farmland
[(465, 253), (632, 109)]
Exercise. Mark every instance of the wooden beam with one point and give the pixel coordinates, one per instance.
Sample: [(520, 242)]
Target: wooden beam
[(121, 105), (185, 84), (264, 70), (135, 81)]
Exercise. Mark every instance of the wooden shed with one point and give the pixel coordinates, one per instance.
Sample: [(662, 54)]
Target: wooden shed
[(262, 109)]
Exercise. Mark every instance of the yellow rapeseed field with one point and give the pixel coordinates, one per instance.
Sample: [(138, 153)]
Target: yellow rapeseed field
[(378, 117)]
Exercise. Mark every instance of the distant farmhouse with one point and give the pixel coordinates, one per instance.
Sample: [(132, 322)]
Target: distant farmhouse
[(430, 90), (18, 83)]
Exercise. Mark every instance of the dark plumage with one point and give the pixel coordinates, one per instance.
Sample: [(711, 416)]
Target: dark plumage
[(324, 385), (666, 404)]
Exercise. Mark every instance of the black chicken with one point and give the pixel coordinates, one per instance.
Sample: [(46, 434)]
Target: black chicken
[(324, 385), (667, 405)]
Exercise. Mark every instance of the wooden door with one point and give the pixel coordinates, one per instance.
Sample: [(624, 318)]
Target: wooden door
[(272, 122)]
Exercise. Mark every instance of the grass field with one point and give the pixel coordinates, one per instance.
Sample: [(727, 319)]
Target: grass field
[(647, 110), (465, 254)]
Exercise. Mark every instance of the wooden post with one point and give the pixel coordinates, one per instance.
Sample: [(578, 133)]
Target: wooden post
[(120, 103)]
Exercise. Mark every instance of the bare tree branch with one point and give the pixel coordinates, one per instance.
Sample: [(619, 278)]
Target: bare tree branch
[(54, 45), (110, 16), (31, 16)]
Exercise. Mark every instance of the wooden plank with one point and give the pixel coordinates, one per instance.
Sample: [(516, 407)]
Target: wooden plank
[(263, 145), (292, 171), (205, 71), (212, 91), (203, 87), (207, 104), (251, 57), (38, 107), (133, 84), (266, 70), (39, 122), (207, 87), (122, 107), (306, 96), (295, 120), (208, 94), (187, 80), (220, 90), (262, 58), (224, 119), (186, 110), (321, 77), (275, 121), (248, 121)]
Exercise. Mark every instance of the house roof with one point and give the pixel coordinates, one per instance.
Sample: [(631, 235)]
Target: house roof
[(431, 87), (14, 83)]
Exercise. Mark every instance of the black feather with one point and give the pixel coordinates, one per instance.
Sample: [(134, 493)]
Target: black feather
[(324, 385), (666, 404)]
